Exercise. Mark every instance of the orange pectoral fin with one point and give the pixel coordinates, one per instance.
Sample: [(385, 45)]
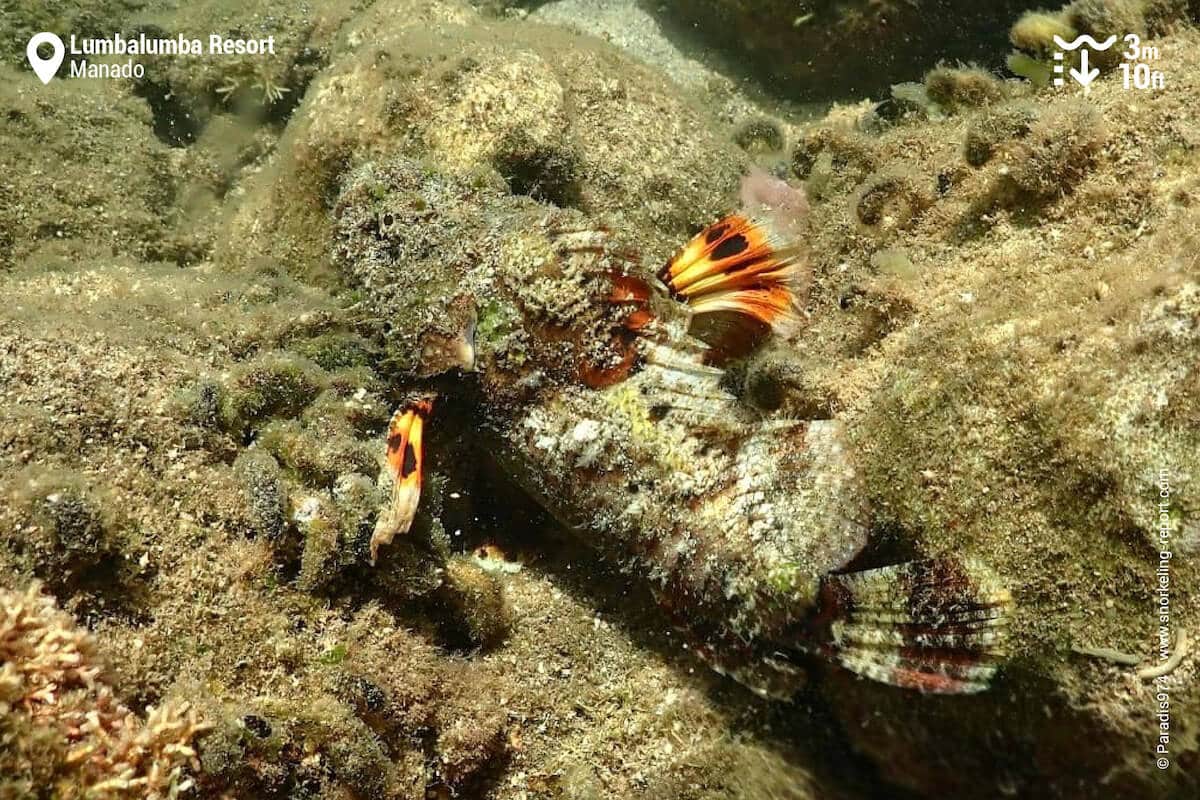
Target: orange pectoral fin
[(729, 245), (735, 265), (772, 306), (699, 250), (405, 462)]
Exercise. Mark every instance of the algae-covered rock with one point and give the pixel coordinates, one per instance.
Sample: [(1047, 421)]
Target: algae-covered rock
[(963, 87), (477, 613), (187, 94), (994, 128), (265, 494), (73, 526), (1020, 412), (520, 108), (1060, 149), (1034, 32), (103, 180), (74, 538), (277, 748), (277, 384), (828, 152), (891, 198), (471, 741), (759, 135), (317, 459), (332, 351), (334, 530)]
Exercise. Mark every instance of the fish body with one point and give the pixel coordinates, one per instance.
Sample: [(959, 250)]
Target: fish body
[(604, 398)]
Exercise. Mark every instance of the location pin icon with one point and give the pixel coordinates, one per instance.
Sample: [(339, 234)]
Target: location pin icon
[(45, 67)]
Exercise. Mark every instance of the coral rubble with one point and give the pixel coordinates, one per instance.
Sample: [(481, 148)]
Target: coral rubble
[(61, 728)]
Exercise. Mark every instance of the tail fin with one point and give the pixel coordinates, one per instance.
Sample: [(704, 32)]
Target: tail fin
[(938, 626)]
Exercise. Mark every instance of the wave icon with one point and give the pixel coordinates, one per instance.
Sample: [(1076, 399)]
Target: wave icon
[(1084, 39)]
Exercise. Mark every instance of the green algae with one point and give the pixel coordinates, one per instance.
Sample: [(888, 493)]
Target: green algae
[(274, 384), (963, 87)]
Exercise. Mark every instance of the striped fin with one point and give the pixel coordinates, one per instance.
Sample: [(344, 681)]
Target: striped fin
[(736, 265), (405, 462), (690, 391), (937, 626)]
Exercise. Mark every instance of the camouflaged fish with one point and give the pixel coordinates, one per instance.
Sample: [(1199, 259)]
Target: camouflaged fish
[(603, 389)]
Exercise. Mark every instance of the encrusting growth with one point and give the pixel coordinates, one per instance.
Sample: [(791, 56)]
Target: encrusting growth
[(61, 723)]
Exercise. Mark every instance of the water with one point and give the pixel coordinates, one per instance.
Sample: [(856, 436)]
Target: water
[(888, 497)]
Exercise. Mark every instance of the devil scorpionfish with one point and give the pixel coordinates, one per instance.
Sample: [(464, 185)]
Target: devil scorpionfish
[(603, 389)]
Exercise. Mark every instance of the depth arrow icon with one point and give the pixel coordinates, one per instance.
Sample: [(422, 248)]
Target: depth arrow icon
[(1083, 75)]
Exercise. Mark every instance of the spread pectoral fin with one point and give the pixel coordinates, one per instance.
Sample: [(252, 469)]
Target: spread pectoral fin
[(738, 266)]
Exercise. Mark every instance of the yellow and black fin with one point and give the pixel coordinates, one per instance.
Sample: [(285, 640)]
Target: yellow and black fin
[(738, 266), (405, 464)]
